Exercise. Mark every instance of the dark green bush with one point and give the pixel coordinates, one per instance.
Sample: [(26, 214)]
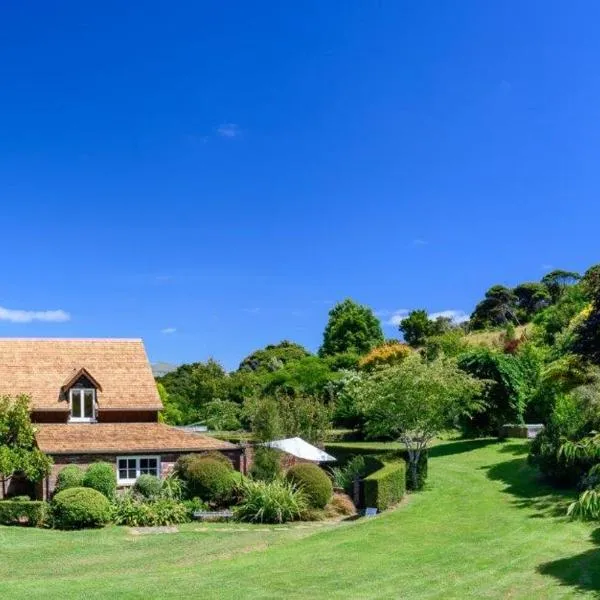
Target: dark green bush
[(209, 479), (77, 508), (313, 481), (375, 457), (148, 486), (266, 465), (385, 487), (68, 477), (136, 512), (101, 477), (23, 512)]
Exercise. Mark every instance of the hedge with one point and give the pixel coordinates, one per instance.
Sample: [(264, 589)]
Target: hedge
[(76, 508), (23, 512), (375, 457), (385, 487), (313, 481)]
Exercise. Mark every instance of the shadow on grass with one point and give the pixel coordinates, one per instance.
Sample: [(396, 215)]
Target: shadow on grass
[(515, 448), (529, 490), (449, 448), (581, 571)]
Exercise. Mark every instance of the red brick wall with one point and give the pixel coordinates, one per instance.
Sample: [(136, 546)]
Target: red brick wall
[(167, 462)]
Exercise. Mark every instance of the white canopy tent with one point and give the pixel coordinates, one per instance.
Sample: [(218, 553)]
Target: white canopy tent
[(300, 449)]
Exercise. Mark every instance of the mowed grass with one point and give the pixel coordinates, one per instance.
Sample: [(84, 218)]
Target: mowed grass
[(484, 528)]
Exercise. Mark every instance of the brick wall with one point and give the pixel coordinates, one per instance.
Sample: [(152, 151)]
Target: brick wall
[(167, 462)]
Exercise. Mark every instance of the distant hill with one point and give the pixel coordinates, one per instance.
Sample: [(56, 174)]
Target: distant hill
[(162, 368)]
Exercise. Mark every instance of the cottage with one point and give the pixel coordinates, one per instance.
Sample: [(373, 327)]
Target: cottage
[(96, 400)]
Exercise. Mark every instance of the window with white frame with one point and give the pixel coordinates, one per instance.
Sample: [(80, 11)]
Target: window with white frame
[(129, 468), (83, 404)]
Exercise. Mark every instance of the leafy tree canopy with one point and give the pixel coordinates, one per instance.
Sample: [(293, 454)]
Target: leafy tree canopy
[(273, 357), (18, 452), (418, 326), (351, 328), (558, 280), (497, 308)]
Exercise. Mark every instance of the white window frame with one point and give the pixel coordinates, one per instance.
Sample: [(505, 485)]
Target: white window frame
[(81, 392), (129, 481)]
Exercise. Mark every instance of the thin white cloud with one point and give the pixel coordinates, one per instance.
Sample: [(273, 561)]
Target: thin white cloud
[(251, 311), (419, 242), (456, 316), (27, 316), (547, 267), (168, 330), (228, 130), (392, 318)]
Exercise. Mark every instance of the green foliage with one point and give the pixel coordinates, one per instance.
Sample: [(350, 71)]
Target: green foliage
[(266, 465), (588, 333), (416, 400), (586, 507), (273, 357), (270, 502), (264, 418), (69, 477), (23, 512), (505, 396), (557, 281), (531, 298), (101, 476), (416, 328), (208, 478), (344, 476), (347, 412), (313, 481), (499, 306), (351, 328), (450, 344), (78, 508), (386, 486), (389, 353), (136, 512), (221, 415), (18, 452), (173, 488), (148, 486)]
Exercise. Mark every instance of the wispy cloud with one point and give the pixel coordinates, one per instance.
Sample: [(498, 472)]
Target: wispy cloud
[(251, 311), (229, 130), (168, 330), (419, 242), (392, 318), (547, 267), (27, 316), (456, 316)]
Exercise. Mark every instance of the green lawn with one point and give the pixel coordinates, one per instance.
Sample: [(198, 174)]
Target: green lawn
[(484, 528)]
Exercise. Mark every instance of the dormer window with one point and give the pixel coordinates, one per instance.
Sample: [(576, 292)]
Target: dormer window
[(83, 404), (81, 390)]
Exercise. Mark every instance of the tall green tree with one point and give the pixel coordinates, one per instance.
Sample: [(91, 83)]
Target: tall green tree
[(18, 451), (352, 328), (499, 307), (416, 328), (416, 400), (531, 298), (558, 280), (587, 341)]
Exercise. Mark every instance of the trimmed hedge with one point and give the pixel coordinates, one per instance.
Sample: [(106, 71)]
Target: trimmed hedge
[(69, 477), (101, 476), (385, 487), (81, 507), (376, 457), (23, 512), (313, 481)]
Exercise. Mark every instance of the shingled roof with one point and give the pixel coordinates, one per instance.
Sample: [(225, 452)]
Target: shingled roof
[(122, 438), (40, 367)]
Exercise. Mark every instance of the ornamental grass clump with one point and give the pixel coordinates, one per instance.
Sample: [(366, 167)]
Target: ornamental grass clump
[(270, 502)]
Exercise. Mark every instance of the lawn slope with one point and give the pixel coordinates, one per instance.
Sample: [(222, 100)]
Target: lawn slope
[(484, 528)]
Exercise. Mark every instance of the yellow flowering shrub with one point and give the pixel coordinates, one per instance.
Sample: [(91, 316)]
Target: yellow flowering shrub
[(390, 353)]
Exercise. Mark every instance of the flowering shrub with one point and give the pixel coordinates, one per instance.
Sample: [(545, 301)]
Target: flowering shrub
[(390, 353)]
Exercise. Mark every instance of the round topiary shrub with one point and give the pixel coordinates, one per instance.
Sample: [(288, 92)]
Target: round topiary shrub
[(101, 477), (207, 478), (148, 486), (80, 507), (69, 477), (313, 481)]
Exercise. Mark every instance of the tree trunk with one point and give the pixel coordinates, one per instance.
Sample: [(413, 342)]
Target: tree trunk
[(414, 469)]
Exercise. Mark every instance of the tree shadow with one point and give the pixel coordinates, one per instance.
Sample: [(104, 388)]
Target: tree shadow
[(449, 448), (581, 571), (515, 448), (529, 489)]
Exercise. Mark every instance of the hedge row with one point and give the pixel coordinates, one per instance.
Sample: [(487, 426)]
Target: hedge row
[(385, 487), (344, 452), (23, 512)]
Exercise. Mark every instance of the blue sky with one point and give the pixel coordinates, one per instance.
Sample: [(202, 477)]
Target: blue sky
[(211, 176)]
